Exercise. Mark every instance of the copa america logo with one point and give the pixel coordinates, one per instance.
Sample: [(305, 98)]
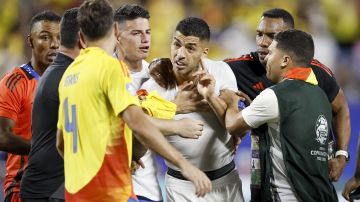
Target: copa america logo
[(321, 128)]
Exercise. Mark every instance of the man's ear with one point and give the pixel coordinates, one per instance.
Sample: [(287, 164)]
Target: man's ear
[(118, 39), (30, 41), (286, 60), (116, 31), (82, 41), (205, 52)]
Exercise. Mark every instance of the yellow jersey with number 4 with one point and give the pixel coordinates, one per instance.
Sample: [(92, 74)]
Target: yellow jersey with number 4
[(93, 91)]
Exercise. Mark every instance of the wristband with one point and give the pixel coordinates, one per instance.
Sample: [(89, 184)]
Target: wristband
[(343, 153)]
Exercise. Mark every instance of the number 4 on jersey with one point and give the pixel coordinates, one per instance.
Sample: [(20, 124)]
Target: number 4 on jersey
[(71, 127)]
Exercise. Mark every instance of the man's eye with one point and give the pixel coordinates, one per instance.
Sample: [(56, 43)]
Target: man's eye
[(44, 37), (191, 48)]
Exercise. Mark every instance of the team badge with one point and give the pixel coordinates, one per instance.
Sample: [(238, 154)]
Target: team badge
[(321, 129)]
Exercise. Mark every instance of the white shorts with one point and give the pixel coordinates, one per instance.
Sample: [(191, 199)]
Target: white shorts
[(227, 188)]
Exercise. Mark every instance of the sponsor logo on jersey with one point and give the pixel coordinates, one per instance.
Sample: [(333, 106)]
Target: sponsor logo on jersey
[(259, 86)]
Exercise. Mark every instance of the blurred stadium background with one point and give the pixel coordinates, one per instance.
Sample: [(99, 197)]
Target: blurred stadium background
[(334, 24)]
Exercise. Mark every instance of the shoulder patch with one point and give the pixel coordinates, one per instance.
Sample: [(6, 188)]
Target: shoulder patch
[(321, 129), (28, 75), (12, 80)]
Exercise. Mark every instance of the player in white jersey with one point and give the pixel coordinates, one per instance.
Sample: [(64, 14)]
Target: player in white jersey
[(133, 48), (212, 152)]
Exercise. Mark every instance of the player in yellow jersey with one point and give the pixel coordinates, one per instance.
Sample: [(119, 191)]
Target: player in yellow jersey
[(97, 112)]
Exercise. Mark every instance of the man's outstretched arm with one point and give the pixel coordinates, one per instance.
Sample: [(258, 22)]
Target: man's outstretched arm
[(342, 129), (186, 128)]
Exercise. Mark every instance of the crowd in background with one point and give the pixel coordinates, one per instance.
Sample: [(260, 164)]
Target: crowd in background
[(232, 24)]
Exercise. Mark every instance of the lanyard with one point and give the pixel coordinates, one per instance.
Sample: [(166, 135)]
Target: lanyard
[(31, 71)]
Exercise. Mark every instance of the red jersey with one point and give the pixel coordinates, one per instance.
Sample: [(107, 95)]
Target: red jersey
[(16, 97)]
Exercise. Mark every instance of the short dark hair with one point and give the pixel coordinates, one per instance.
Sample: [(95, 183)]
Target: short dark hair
[(298, 44), (193, 26), (69, 28), (280, 13), (96, 17), (44, 16), (130, 12)]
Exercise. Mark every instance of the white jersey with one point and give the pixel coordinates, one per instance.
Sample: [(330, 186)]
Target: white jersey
[(213, 149), (265, 109), (145, 182), (140, 77)]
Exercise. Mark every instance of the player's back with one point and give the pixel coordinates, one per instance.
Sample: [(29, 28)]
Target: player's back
[(45, 170), (95, 149)]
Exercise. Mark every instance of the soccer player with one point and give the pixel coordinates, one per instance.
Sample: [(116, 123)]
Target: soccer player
[(134, 40), (96, 114), (212, 152), (16, 98), (133, 48), (251, 79), (45, 172), (299, 119)]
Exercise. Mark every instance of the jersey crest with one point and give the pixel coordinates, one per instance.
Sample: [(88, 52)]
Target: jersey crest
[(321, 128)]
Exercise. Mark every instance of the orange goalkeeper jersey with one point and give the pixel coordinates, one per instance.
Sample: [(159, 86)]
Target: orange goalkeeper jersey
[(16, 97)]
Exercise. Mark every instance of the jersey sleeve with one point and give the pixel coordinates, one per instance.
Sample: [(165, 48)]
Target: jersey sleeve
[(262, 110), (11, 95), (326, 80), (118, 87)]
